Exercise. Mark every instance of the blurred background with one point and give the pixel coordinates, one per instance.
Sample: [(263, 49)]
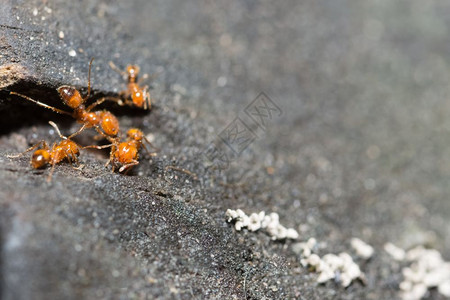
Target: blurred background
[(362, 144)]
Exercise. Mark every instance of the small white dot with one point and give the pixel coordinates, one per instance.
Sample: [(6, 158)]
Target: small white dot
[(72, 53), (61, 35), (221, 81), (35, 12)]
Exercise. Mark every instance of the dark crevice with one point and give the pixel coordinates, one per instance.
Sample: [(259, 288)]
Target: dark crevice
[(16, 112)]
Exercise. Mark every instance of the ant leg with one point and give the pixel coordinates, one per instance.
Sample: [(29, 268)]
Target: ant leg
[(82, 128), (115, 68), (150, 144), (127, 166), (148, 152), (49, 178), (111, 139), (101, 100), (72, 157), (89, 81), (60, 111), (44, 143), (193, 175), (147, 100), (97, 147), (142, 78), (150, 77)]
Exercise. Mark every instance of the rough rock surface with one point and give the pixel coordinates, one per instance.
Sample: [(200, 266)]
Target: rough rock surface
[(360, 149)]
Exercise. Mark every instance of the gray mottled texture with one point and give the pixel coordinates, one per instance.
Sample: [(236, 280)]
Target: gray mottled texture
[(361, 148)]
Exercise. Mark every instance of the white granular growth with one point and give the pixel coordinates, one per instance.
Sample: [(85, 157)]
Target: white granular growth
[(257, 221)]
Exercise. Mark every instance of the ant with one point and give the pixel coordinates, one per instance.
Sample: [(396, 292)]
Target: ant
[(65, 149), (72, 98), (134, 95), (125, 154)]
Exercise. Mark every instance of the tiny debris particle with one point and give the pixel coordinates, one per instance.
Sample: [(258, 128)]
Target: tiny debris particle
[(362, 249), (35, 11), (61, 34), (115, 273), (394, 251), (72, 53), (221, 81)]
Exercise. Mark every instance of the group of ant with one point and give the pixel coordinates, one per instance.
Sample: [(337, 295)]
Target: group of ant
[(124, 152)]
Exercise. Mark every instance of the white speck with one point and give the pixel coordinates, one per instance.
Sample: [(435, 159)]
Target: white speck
[(51, 131), (362, 249), (61, 34), (35, 11), (394, 251), (48, 9), (72, 53), (115, 273), (43, 18), (31, 38), (373, 152), (150, 137), (78, 247), (17, 18), (221, 81), (71, 69), (369, 184)]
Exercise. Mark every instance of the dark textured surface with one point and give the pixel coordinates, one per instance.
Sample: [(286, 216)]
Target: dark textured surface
[(361, 148)]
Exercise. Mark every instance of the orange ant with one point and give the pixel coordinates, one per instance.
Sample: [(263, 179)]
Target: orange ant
[(134, 95), (72, 98), (65, 149), (125, 154)]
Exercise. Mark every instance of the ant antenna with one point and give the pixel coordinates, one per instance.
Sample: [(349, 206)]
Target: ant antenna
[(57, 130), (89, 80), (42, 104), (115, 68)]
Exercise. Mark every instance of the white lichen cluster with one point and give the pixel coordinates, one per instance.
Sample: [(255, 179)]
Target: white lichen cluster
[(362, 249), (427, 270), (257, 221), (340, 268), (394, 251)]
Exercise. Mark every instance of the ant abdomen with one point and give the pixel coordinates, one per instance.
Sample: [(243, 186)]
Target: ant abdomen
[(109, 123)]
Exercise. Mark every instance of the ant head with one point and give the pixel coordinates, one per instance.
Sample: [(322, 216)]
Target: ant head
[(40, 158), (132, 71), (70, 96), (135, 134)]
